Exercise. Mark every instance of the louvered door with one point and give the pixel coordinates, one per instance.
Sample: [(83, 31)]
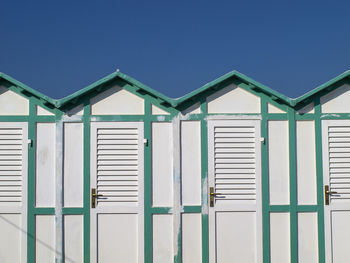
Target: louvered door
[(336, 167), (234, 178), (13, 191), (117, 175)]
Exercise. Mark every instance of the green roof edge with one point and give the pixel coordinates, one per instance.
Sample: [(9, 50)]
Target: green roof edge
[(176, 102)]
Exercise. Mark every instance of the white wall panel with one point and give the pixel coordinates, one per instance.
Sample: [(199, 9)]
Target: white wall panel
[(191, 238), (43, 112), (233, 99), (10, 238), (158, 111), (117, 101), (163, 239), (336, 101), (306, 162), (273, 109), (73, 238), (307, 238), (309, 108), (278, 141), (45, 164), (73, 165), (117, 238), (280, 237), (191, 162), (236, 235), (12, 103), (194, 109), (45, 239), (162, 164)]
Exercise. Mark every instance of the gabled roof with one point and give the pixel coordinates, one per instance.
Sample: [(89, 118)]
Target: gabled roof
[(176, 102), (25, 89)]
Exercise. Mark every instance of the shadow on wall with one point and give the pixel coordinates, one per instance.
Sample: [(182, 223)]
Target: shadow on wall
[(66, 259)]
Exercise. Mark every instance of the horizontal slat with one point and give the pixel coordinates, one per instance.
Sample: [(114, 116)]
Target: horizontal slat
[(237, 197), (117, 142), (235, 145), (117, 131), (118, 173), (117, 178), (10, 168), (10, 162), (117, 147), (233, 140), (234, 160), (234, 165), (10, 194), (10, 131), (107, 194), (235, 129), (339, 170), (119, 152), (11, 137), (126, 199), (339, 165), (115, 168), (10, 147), (339, 129), (118, 162), (234, 135), (235, 176), (339, 155), (236, 156), (339, 160), (117, 157), (117, 183), (10, 188), (235, 150), (339, 139), (12, 173), (223, 181), (340, 181), (234, 171), (8, 199), (117, 136), (113, 188), (339, 144)]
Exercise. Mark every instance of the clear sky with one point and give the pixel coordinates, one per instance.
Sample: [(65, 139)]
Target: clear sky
[(59, 47)]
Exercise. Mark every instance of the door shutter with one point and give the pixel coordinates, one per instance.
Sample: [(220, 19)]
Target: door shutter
[(339, 161), (11, 165), (234, 161), (117, 165)]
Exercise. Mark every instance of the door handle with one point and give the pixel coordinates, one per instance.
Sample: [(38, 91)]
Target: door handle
[(212, 196), (327, 193), (94, 196)]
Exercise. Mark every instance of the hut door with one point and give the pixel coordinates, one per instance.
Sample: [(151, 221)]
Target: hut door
[(235, 221), (336, 178), (117, 223)]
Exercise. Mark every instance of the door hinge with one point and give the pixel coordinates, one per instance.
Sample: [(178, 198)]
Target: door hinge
[(30, 142), (145, 141), (262, 139)]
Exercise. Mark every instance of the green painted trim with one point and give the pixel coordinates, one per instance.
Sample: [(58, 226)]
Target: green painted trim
[(204, 172), (277, 116), (148, 183), (44, 211), (319, 172), (293, 186), (161, 210), (289, 208), (31, 184), (265, 182), (334, 116), (86, 131), (192, 209), (73, 211)]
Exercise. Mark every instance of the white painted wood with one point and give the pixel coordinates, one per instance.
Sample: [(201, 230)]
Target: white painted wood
[(240, 241), (306, 162), (73, 239), (162, 164), (307, 238), (280, 237), (45, 164), (191, 162), (309, 108), (43, 112), (278, 142), (117, 101), (44, 238), (191, 238), (162, 239), (273, 109), (13, 203), (158, 111), (12, 103), (336, 101), (73, 164), (336, 163), (194, 109), (78, 110), (233, 99), (117, 222), (11, 243)]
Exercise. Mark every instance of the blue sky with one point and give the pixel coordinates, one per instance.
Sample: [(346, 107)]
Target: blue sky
[(59, 47)]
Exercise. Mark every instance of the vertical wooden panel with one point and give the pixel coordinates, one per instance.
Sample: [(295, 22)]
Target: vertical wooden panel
[(45, 165), (163, 239), (45, 239), (73, 165), (10, 238), (162, 164), (307, 238), (73, 238), (278, 162), (191, 162), (191, 238), (306, 162), (280, 237)]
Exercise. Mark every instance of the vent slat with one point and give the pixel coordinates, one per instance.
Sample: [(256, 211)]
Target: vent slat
[(234, 162), (117, 165)]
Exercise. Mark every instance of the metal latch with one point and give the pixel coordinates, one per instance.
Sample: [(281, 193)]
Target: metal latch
[(327, 193)]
